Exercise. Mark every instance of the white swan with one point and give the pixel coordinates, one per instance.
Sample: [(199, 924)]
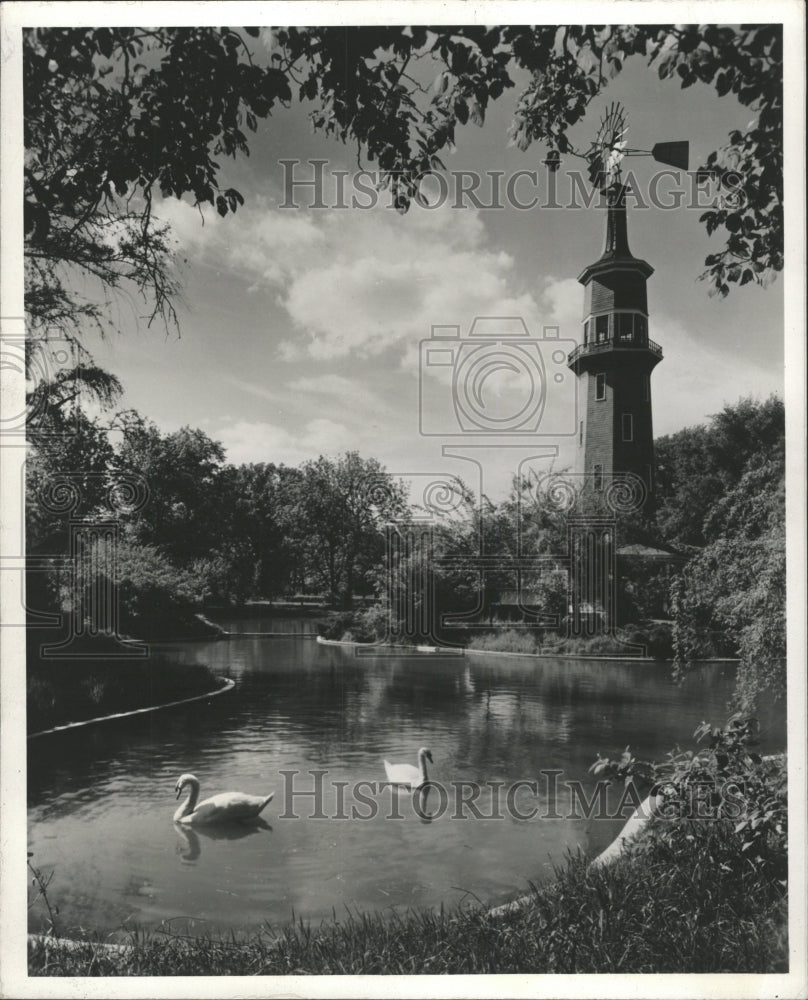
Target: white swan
[(224, 808), (406, 774)]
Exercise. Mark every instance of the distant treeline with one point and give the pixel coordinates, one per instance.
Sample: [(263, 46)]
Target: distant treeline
[(213, 532)]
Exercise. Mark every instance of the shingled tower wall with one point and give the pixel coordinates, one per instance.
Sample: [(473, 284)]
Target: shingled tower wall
[(614, 362)]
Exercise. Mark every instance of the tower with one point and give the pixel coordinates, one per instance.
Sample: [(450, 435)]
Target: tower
[(614, 362)]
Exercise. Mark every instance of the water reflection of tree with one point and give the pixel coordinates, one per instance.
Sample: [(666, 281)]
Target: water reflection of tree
[(300, 701)]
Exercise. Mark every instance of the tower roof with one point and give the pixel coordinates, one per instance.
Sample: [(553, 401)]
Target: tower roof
[(616, 253)]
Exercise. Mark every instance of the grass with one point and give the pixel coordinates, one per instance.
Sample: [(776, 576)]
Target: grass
[(655, 911), (531, 641), (65, 691)]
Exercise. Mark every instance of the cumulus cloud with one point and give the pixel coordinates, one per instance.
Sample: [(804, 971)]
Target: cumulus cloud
[(365, 282), (258, 441), (329, 388), (562, 300)]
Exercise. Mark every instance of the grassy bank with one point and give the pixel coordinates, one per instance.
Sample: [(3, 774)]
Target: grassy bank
[(652, 639), (65, 691), (687, 908), (655, 642)]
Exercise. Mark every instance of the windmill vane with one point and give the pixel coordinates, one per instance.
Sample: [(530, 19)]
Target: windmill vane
[(610, 146)]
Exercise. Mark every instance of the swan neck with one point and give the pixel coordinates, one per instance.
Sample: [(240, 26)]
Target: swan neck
[(190, 802), (422, 762), (193, 796)]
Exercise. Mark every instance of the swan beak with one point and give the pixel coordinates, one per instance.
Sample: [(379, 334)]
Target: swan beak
[(429, 757), (178, 789)]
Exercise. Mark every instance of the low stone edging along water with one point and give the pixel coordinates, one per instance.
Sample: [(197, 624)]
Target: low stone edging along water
[(227, 686), (455, 651)]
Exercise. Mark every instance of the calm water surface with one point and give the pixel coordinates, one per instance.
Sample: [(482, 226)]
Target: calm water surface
[(101, 799)]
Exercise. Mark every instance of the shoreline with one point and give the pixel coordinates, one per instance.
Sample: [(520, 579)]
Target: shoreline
[(463, 651), (632, 829), (228, 685)]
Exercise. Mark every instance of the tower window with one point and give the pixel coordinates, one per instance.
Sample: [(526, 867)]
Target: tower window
[(641, 327), (600, 385), (628, 427), (586, 332), (597, 476), (625, 326), (581, 432), (601, 329)]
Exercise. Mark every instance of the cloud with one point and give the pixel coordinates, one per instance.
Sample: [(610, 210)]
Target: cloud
[(562, 298), (257, 441), (342, 390), (328, 387), (360, 283)]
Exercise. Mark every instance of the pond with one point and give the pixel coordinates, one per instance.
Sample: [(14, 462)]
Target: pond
[(101, 799)]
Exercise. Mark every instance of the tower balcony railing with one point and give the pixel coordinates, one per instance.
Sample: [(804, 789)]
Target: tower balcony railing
[(616, 344)]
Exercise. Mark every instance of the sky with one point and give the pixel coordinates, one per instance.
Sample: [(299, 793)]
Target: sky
[(302, 329)]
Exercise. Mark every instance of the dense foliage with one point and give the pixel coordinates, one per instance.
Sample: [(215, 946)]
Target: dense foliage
[(724, 488), (723, 796), (116, 118), (63, 691), (207, 531)]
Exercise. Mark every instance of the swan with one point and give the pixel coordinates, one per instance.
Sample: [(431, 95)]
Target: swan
[(406, 774), (227, 807)]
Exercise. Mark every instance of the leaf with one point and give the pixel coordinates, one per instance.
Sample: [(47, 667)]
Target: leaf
[(104, 41), (460, 58), (722, 84)]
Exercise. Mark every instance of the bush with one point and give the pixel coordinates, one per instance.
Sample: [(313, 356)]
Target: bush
[(660, 642), (724, 799), (510, 641), (335, 626), (59, 692)]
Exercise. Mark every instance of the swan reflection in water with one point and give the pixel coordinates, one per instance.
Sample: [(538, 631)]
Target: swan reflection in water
[(190, 836), (420, 800)]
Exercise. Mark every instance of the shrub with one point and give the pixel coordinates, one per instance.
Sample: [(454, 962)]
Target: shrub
[(510, 641), (335, 626), (724, 798), (59, 692), (660, 642)]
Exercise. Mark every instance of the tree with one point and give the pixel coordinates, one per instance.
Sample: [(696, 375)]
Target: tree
[(69, 455), (111, 115), (724, 489), (698, 466), (256, 504), (737, 583), (338, 518), (367, 97), (114, 114), (183, 515)]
